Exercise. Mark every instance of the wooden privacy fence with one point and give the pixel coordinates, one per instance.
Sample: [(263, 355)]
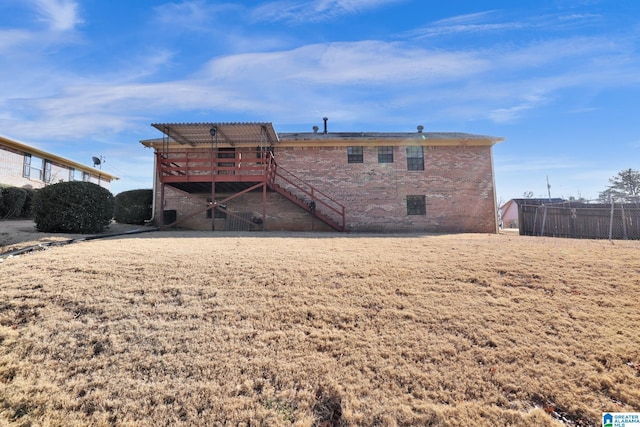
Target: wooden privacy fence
[(580, 220)]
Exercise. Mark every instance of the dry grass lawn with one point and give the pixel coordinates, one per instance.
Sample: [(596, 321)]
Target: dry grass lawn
[(188, 328)]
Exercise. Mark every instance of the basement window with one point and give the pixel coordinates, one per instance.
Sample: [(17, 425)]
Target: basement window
[(355, 155), (415, 159), (218, 214), (416, 205), (385, 154)]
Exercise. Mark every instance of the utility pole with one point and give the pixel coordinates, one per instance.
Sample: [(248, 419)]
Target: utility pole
[(548, 188)]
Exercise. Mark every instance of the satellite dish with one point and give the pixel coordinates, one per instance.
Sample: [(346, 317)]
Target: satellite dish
[(96, 161)]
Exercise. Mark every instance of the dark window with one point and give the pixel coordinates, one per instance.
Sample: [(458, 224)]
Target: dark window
[(354, 155), (416, 205), (415, 159), (264, 153), (385, 154), (227, 153)]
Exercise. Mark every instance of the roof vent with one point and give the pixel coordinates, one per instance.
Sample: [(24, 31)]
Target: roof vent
[(420, 128), (315, 129), (325, 124)]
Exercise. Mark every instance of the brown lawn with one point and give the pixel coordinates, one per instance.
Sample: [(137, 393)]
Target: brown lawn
[(188, 328)]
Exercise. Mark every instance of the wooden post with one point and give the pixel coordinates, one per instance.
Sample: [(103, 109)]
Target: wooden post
[(544, 219), (264, 206), (611, 220), (213, 188), (624, 223), (161, 204)]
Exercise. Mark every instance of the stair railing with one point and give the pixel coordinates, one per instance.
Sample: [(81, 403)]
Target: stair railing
[(318, 201)]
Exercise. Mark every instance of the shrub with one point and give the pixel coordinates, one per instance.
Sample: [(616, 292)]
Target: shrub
[(12, 202), (26, 208), (72, 207), (133, 207)]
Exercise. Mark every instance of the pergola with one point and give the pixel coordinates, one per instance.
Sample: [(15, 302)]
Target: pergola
[(229, 145), (194, 134)]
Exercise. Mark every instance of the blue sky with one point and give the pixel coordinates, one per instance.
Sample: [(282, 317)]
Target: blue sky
[(558, 79)]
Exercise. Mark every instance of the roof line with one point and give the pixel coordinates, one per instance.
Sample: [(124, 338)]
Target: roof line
[(50, 156)]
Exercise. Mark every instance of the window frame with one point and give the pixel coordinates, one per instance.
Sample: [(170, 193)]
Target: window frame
[(47, 171), (26, 166), (415, 162), (29, 168), (416, 205), (385, 154), (353, 156)]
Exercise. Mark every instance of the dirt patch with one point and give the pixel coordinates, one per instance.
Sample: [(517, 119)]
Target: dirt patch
[(17, 234)]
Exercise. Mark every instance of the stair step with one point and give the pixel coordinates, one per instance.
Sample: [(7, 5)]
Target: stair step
[(336, 224)]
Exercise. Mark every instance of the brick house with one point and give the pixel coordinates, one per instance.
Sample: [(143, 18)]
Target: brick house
[(245, 176), (28, 167)]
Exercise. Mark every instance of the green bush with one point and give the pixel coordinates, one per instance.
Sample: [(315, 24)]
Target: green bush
[(133, 207), (72, 207), (26, 208), (12, 202)]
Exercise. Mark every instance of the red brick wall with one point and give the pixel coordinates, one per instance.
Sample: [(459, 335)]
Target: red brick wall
[(281, 214), (457, 184)]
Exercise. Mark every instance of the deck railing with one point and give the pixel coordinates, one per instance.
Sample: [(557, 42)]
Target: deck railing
[(206, 166)]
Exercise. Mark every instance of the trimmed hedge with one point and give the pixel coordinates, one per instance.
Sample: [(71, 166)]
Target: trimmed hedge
[(133, 207), (26, 208), (72, 207), (12, 202)]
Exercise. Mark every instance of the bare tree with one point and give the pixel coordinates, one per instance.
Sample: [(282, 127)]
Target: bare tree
[(625, 187)]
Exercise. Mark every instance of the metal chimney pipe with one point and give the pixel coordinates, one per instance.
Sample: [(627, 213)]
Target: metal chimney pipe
[(325, 124)]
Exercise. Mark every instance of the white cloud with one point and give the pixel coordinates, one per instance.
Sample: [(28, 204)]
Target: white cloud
[(506, 165), (61, 15), (383, 81), (196, 15), (313, 11), (491, 22), (10, 39), (349, 63), (502, 115)]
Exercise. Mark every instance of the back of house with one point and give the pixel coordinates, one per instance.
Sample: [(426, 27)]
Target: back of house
[(245, 176)]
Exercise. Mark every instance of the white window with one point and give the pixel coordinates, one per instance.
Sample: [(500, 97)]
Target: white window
[(32, 167)]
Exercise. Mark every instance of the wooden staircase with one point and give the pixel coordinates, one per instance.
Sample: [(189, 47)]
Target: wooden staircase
[(303, 194)]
